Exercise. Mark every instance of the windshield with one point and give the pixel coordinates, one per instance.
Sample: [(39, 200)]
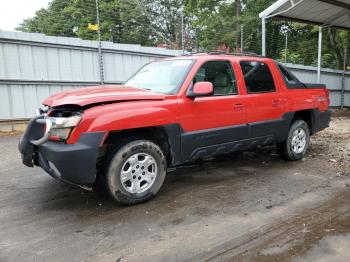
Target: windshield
[(162, 76)]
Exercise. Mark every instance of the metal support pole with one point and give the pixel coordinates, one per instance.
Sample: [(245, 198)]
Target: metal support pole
[(182, 34), (263, 36), (100, 55), (319, 55), (286, 48), (343, 81), (242, 39)]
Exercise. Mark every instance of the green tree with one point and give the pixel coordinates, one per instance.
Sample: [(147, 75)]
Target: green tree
[(208, 24), (167, 20), (51, 21), (218, 22), (121, 21), (209, 19)]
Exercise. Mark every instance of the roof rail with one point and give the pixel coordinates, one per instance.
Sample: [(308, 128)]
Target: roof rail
[(214, 52), (235, 54), (248, 54), (194, 53), (217, 53)]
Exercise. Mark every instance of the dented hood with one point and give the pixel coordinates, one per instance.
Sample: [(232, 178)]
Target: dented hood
[(100, 94)]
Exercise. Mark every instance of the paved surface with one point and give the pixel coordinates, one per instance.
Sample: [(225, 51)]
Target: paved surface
[(247, 206)]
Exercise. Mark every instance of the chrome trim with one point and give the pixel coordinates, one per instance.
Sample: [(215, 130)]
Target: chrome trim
[(46, 136), (299, 140), (138, 173), (54, 122)]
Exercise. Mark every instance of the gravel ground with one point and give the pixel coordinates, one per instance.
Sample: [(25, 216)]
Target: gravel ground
[(248, 206)]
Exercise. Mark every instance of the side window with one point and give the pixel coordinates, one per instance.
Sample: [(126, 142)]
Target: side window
[(291, 80), (258, 77), (220, 74), (286, 75)]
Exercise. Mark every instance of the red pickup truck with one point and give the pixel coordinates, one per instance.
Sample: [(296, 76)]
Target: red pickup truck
[(172, 111)]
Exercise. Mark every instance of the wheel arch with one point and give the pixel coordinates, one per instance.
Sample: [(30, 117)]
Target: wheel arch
[(308, 115), (166, 136)]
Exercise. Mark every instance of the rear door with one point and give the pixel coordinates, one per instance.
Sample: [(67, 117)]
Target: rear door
[(265, 101), (213, 122)]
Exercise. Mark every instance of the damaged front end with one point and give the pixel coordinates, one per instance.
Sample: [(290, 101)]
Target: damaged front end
[(44, 144)]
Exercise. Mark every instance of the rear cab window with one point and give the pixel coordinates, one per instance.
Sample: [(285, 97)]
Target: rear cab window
[(258, 77), (290, 80)]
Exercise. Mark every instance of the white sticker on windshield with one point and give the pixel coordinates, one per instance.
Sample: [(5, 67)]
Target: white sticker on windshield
[(182, 63)]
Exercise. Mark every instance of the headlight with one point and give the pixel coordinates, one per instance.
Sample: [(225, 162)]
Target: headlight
[(63, 122), (62, 127), (60, 134)]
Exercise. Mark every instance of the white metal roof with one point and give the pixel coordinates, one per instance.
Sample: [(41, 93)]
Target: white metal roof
[(321, 12)]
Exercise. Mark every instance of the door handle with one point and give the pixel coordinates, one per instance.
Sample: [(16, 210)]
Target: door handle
[(238, 107), (276, 102)]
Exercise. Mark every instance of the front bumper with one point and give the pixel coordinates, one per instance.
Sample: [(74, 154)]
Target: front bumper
[(75, 163)]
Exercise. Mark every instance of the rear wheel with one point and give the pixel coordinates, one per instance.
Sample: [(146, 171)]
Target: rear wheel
[(136, 172), (297, 142)]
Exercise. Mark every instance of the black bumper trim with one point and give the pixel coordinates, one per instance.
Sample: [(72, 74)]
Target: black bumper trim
[(75, 163), (321, 120), (34, 131)]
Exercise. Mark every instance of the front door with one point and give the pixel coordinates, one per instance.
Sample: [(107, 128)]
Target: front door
[(214, 123)]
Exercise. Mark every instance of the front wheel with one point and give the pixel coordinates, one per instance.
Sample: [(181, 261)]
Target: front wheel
[(136, 172), (297, 142)]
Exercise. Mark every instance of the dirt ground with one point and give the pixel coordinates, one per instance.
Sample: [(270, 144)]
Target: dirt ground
[(247, 206)]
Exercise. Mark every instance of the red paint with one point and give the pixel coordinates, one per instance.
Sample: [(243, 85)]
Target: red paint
[(142, 108), (99, 94)]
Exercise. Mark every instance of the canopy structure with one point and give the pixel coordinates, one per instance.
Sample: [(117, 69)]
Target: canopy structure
[(324, 13)]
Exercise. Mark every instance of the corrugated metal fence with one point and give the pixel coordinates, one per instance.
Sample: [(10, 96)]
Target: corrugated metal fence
[(338, 82), (33, 66)]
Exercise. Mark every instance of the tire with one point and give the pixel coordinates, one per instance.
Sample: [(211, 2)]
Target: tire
[(135, 172), (297, 142)]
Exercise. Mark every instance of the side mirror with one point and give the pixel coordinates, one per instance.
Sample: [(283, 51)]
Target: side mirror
[(201, 89)]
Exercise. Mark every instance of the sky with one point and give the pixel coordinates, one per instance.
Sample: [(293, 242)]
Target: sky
[(12, 12)]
